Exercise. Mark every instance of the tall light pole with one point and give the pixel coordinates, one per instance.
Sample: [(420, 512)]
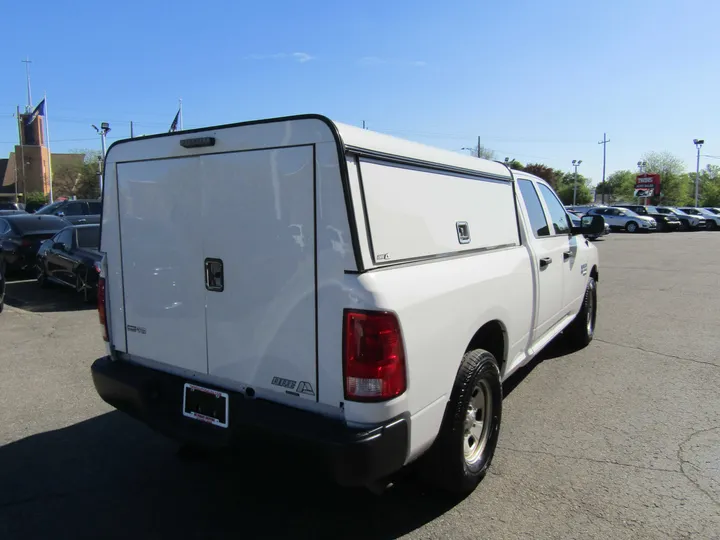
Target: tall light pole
[(576, 163), (698, 144), (103, 131)]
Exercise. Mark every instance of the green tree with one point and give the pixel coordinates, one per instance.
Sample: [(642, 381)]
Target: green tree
[(78, 177), (675, 187), (484, 152), (620, 186), (565, 188), (550, 175), (514, 164), (709, 185)]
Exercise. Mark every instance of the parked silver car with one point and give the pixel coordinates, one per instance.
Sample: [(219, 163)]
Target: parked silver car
[(712, 219), (624, 219), (688, 222)]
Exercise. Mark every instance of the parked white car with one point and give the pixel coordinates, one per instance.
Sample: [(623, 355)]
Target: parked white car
[(333, 286), (624, 219)]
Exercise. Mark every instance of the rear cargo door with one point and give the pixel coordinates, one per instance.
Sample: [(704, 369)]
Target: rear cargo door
[(161, 237), (258, 228)]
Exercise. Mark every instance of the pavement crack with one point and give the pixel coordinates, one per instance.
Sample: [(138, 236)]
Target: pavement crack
[(666, 355), (685, 463), (601, 461)]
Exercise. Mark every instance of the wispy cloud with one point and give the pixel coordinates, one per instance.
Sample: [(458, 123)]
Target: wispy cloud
[(300, 57), (377, 61)]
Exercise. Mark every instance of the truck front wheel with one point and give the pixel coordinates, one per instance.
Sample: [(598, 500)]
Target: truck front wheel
[(464, 448), (580, 332)]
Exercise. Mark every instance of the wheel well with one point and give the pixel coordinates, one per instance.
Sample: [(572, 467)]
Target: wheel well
[(492, 338), (594, 274)]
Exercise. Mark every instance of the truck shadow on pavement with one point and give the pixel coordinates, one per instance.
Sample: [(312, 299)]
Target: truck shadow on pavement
[(111, 477), (27, 295)]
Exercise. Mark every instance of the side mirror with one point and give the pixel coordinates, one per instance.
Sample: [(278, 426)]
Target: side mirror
[(59, 246), (590, 225), (60, 213)]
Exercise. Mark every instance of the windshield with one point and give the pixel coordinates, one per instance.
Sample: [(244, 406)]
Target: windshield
[(678, 212), (88, 237), (628, 212), (50, 208), (652, 210)]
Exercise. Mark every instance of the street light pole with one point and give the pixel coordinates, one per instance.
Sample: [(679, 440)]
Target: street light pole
[(576, 163), (103, 131), (698, 144)]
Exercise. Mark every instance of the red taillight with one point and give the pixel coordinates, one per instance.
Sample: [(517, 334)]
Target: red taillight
[(25, 242), (374, 357), (101, 306)]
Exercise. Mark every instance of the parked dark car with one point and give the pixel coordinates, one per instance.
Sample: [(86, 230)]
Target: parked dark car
[(76, 212), (69, 258), (11, 212), (665, 222), (21, 236), (7, 205), (2, 284), (687, 222)]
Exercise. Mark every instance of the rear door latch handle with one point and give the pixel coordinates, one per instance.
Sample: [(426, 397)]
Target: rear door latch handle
[(567, 255), (545, 261), (214, 275)]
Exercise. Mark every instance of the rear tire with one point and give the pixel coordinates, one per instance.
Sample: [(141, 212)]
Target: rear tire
[(464, 448), (581, 331), (631, 227)]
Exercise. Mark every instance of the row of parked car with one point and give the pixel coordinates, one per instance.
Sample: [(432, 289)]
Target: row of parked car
[(635, 218), (57, 244)]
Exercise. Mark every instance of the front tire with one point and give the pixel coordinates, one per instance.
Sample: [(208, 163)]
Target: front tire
[(684, 225), (581, 331), (631, 227), (41, 277), (464, 448)]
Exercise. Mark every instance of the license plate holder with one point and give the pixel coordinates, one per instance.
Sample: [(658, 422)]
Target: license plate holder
[(206, 405)]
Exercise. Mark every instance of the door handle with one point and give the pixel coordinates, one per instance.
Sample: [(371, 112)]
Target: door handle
[(567, 255), (544, 262), (214, 275)]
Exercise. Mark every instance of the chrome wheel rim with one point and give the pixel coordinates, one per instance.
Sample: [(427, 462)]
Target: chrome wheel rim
[(590, 312), (477, 422), (632, 227)]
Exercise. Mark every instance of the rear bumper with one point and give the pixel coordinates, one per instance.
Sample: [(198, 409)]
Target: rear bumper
[(355, 457)]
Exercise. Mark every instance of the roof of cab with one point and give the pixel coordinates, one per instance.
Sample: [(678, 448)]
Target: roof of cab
[(372, 142)]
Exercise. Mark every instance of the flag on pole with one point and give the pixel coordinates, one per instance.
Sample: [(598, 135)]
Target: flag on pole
[(39, 111), (174, 125)]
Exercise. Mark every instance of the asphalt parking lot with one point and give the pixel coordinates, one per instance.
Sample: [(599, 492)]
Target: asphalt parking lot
[(620, 440)]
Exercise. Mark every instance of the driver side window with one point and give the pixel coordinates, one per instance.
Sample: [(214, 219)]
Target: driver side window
[(559, 216)]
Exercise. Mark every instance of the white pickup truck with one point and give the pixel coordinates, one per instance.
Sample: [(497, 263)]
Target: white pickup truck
[(336, 287)]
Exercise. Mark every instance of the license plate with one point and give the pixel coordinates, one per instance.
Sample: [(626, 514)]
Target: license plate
[(205, 405)]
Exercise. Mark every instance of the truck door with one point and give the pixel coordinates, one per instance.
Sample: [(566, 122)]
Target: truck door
[(548, 247), (258, 226), (574, 254)]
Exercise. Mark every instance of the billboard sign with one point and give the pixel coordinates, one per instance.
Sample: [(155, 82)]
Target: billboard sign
[(647, 185)]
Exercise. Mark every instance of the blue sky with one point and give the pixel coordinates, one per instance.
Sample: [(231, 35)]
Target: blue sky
[(538, 81)]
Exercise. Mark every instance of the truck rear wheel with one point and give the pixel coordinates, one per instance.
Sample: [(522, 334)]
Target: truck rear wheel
[(580, 332), (464, 448)]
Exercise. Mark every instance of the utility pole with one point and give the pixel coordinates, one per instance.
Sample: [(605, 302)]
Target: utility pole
[(364, 125), (478, 150), (698, 144), (103, 131), (576, 163), (27, 63), (132, 132), (604, 143)]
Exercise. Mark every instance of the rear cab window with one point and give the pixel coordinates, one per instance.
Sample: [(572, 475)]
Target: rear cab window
[(94, 208), (534, 208)]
